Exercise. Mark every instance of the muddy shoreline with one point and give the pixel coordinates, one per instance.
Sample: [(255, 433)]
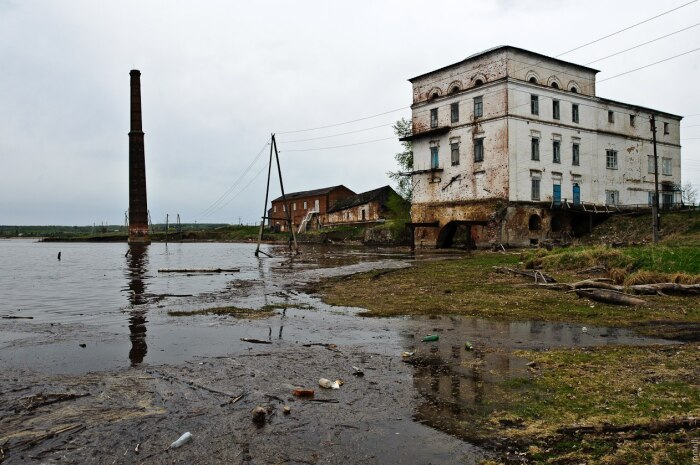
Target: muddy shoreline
[(403, 410)]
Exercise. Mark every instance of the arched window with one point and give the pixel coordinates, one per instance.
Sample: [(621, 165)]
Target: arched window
[(574, 90), (434, 95), (533, 80), (478, 83), (535, 223), (556, 224), (555, 85), (454, 90)]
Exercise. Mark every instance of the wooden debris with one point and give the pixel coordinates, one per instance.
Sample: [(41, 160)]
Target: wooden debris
[(666, 426), (40, 400), (255, 341), (537, 275), (610, 297), (198, 270)]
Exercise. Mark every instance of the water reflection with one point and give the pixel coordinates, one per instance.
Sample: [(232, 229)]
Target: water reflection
[(136, 266)]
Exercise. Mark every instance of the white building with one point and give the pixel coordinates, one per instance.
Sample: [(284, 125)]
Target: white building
[(517, 147)]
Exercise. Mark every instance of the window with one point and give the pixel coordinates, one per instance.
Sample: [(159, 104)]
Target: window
[(556, 151), (666, 167), (611, 159), (304, 204), (575, 154), (434, 158), (294, 206), (666, 131), (612, 197), (284, 208), (535, 189), (274, 208), (574, 90), (574, 113), (433, 118), (478, 107), (555, 109), (533, 80), (632, 120), (555, 85), (650, 164), (666, 200), (611, 116), (478, 83), (454, 112), (535, 148), (455, 153), (534, 105), (478, 150)]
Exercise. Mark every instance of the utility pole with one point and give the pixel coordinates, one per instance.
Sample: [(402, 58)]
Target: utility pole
[(655, 206)]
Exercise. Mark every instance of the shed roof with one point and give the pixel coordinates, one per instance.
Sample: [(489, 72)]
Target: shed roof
[(381, 194), (311, 193)]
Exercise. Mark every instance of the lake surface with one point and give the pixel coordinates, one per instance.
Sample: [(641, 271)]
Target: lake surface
[(105, 306)]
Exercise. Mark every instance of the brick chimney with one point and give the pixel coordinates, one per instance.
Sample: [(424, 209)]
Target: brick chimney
[(138, 206)]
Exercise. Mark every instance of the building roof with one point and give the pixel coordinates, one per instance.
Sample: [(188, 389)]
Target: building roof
[(501, 48), (311, 193), (381, 195)]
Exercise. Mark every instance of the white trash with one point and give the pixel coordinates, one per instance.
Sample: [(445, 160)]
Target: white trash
[(185, 438), (328, 384)]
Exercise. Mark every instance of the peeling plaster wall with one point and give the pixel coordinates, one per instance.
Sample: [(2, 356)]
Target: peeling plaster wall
[(373, 213)]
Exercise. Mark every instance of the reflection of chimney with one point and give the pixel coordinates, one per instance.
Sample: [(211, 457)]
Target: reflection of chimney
[(138, 207)]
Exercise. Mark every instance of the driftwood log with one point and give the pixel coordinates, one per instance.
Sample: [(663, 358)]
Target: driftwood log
[(609, 297), (665, 426), (639, 289)]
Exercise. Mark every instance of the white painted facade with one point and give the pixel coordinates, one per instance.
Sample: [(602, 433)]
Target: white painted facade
[(613, 161)]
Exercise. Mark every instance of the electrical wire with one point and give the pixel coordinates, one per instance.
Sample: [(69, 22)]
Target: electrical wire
[(338, 146), (642, 44), (345, 122), (625, 29), (647, 66), (335, 135), (262, 170)]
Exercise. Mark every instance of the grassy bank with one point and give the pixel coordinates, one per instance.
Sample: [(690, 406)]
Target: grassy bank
[(470, 286)]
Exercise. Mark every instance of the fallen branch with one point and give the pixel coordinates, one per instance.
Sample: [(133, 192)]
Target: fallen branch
[(198, 386), (255, 341), (198, 270), (535, 274), (666, 426), (41, 400)]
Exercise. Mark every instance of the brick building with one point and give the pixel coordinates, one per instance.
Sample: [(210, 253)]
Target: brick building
[(307, 207), (367, 207)]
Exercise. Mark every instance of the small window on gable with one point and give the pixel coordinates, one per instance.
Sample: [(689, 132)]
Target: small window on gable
[(434, 95), (533, 80), (666, 130), (632, 121), (574, 90), (611, 116), (454, 90), (478, 83), (555, 85)]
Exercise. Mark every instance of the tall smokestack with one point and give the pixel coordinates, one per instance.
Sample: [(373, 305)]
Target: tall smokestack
[(138, 207)]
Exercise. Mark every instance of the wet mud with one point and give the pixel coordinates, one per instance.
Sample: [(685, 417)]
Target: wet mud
[(126, 399)]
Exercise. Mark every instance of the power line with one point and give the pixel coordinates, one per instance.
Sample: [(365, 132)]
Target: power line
[(642, 44), (338, 146), (346, 122), (214, 204), (647, 66), (626, 29), (335, 135), (239, 192)]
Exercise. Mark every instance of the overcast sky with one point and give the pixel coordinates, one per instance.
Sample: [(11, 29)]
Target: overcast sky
[(219, 76)]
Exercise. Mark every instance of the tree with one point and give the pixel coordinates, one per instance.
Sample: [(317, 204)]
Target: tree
[(690, 193), (403, 128)]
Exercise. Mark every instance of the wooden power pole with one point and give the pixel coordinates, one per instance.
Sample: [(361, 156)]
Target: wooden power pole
[(655, 204)]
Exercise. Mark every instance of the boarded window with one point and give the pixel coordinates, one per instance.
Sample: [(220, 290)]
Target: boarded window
[(556, 151), (612, 197), (478, 150), (666, 167), (650, 164), (454, 112), (575, 154), (434, 157)]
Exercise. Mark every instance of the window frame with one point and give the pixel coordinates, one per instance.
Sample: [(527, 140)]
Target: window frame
[(434, 157), (556, 151), (667, 166), (535, 182), (574, 113), (667, 129), (556, 109), (611, 117), (479, 150), (534, 104), (478, 106), (575, 154), (433, 118), (633, 121), (454, 112), (611, 161), (454, 148), (612, 197), (535, 149)]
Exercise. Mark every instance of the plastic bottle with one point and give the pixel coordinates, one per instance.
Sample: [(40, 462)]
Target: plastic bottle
[(431, 338), (185, 438)]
